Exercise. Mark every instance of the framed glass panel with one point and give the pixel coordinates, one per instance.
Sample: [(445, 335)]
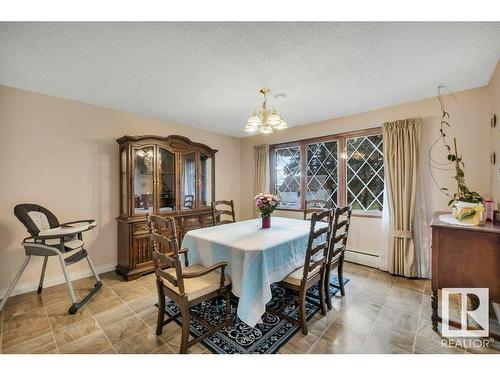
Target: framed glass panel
[(365, 172), (322, 171), (166, 181), (188, 182), (206, 180), (287, 182), (143, 180)]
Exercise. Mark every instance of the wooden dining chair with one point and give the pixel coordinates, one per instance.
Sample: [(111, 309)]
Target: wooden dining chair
[(313, 270), (187, 287), (315, 205), (164, 227), (188, 201), (220, 208), (336, 253)]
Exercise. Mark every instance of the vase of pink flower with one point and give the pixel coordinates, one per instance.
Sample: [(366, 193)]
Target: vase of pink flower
[(266, 204)]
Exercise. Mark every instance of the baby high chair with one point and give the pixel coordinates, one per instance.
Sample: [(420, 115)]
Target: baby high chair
[(49, 238)]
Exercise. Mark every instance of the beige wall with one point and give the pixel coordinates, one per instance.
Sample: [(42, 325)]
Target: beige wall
[(63, 155), (494, 91), (470, 119)]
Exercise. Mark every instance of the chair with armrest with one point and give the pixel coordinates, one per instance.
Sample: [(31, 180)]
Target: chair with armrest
[(315, 205), (220, 208), (157, 223), (313, 270), (336, 253), (50, 238), (186, 286)]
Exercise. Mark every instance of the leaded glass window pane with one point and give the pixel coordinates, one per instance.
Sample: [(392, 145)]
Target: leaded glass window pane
[(365, 173), (322, 168), (287, 184)]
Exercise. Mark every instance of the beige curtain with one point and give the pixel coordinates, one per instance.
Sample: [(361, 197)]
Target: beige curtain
[(401, 165), (261, 168)]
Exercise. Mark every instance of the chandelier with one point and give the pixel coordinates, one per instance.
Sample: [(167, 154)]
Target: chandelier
[(264, 120)]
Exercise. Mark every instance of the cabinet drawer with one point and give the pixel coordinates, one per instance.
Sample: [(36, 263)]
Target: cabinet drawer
[(140, 228), (207, 220), (191, 222)]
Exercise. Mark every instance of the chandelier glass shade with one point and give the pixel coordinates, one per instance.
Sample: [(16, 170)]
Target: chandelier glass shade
[(264, 120)]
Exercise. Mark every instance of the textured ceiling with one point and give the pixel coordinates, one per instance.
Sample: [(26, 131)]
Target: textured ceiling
[(208, 75)]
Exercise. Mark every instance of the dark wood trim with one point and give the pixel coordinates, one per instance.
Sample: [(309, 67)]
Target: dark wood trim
[(353, 134), (341, 174), (177, 142), (341, 139), (303, 175)]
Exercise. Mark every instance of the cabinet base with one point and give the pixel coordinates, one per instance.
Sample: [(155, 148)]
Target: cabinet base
[(130, 275)]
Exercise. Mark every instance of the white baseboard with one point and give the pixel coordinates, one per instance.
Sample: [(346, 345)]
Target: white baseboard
[(56, 280), (350, 256), (361, 258)]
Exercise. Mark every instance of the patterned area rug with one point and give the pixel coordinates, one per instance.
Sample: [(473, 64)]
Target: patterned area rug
[(265, 338)]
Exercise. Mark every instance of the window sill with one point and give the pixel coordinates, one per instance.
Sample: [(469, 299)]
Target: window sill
[(355, 213)]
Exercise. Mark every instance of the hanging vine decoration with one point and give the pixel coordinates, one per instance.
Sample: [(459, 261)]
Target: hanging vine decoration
[(454, 160)]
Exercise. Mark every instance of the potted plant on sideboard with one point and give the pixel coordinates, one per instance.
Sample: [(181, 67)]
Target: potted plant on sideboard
[(467, 206)]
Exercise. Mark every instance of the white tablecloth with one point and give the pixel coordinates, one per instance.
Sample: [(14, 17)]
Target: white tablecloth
[(256, 257)]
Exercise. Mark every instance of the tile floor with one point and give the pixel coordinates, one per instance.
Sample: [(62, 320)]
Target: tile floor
[(379, 314)]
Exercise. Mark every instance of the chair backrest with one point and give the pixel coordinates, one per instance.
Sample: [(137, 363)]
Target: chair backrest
[(315, 205), (163, 226), (317, 253), (161, 260), (220, 208), (340, 231), (35, 217), (188, 201)]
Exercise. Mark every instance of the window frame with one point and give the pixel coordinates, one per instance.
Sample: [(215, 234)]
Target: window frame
[(341, 139)]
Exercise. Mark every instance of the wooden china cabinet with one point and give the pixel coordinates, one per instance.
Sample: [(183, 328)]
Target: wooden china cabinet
[(169, 176)]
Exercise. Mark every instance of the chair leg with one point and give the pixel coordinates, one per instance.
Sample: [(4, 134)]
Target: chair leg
[(14, 282), (302, 310), (42, 276), (321, 288), (229, 316), (340, 271), (185, 328), (71, 292), (96, 275), (161, 310), (326, 288)]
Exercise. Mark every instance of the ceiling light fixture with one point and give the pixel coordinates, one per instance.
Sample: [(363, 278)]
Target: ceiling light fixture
[(264, 120)]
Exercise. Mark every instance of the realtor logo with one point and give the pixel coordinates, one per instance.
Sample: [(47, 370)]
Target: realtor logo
[(477, 314)]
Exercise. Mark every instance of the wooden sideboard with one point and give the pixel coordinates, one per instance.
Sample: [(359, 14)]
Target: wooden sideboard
[(464, 257), (168, 176)]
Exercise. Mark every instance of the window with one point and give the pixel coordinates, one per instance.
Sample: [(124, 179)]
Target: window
[(287, 169), (365, 173), (343, 169), (322, 165)]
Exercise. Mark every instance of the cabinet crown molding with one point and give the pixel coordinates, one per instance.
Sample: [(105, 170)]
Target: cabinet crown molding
[(177, 142)]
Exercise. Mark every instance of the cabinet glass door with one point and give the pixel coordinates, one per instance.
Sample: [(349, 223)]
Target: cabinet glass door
[(206, 180), (143, 180), (188, 196), (166, 180)]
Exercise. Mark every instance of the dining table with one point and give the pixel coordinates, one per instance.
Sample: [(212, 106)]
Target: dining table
[(256, 257)]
